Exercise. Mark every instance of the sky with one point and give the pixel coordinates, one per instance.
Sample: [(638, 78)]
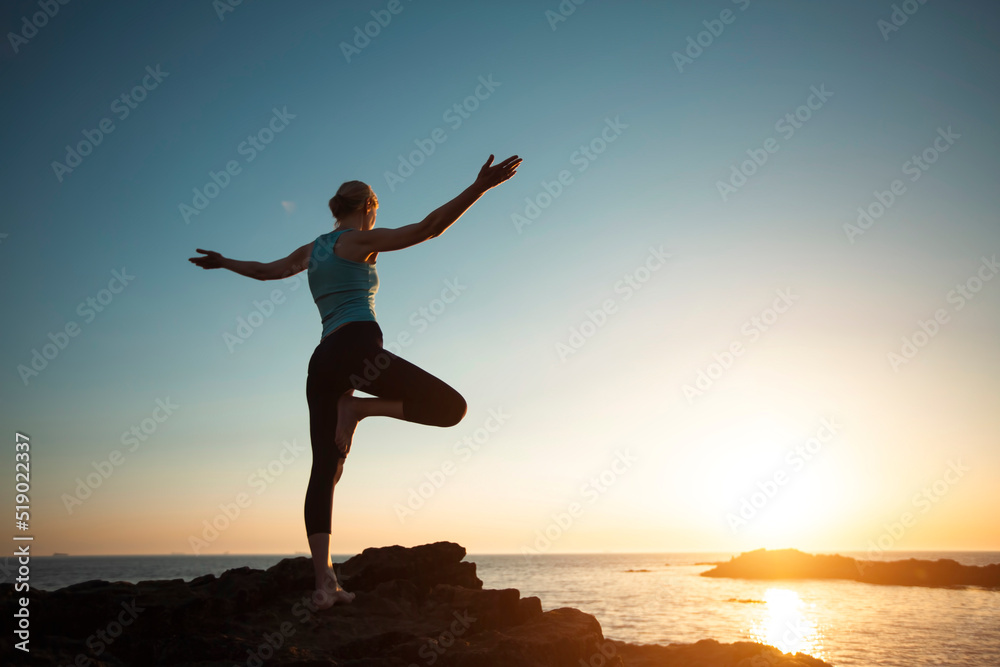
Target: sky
[(741, 293)]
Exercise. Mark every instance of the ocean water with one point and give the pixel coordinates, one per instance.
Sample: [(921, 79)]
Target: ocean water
[(845, 623), (660, 598)]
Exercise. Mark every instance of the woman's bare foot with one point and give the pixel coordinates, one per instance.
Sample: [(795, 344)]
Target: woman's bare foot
[(329, 592), (324, 599), (347, 421)]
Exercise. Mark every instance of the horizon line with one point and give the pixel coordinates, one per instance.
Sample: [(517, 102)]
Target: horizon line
[(547, 553)]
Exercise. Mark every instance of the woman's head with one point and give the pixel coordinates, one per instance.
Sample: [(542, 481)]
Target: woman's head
[(354, 199)]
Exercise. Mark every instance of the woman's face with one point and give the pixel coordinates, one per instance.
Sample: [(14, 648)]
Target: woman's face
[(371, 208)]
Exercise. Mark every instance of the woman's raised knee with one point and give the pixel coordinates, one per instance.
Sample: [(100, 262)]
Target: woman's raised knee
[(455, 409)]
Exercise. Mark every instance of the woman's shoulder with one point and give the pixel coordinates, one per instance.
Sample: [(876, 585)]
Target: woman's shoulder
[(323, 242)]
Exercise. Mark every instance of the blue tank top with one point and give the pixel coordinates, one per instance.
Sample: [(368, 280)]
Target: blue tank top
[(344, 290)]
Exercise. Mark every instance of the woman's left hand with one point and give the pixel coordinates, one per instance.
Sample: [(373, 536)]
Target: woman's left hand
[(492, 175)]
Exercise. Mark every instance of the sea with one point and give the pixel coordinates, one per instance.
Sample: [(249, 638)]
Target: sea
[(661, 599)]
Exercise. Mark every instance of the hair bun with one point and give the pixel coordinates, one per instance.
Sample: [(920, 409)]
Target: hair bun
[(350, 197)]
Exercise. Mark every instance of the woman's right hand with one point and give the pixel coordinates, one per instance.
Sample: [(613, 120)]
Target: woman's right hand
[(492, 176), (211, 260)]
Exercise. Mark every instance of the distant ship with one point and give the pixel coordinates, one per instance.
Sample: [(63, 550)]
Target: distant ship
[(59, 553)]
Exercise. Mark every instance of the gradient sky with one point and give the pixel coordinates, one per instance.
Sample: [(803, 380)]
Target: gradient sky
[(601, 446)]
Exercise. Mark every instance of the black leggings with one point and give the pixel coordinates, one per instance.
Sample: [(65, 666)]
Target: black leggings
[(352, 357)]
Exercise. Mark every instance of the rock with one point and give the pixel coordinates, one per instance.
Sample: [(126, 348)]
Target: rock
[(709, 652), (413, 607), (793, 564), (425, 565)]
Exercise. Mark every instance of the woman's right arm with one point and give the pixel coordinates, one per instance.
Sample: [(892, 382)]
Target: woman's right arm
[(441, 218), (295, 262)]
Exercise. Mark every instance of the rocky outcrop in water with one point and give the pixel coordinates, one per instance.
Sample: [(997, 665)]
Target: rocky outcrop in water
[(414, 607), (793, 564)]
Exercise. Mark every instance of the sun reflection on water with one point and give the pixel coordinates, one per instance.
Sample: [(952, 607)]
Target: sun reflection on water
[(785, 623)]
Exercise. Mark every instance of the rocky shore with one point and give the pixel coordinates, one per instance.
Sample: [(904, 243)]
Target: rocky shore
[(416, 606), (794, 564)]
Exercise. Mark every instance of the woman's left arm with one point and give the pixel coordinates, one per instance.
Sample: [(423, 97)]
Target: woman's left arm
[(294, 263)]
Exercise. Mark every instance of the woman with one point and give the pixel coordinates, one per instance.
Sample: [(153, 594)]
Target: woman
[(350, 355)]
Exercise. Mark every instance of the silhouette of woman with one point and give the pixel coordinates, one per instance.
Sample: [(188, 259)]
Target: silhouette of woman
[(350, 356)]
